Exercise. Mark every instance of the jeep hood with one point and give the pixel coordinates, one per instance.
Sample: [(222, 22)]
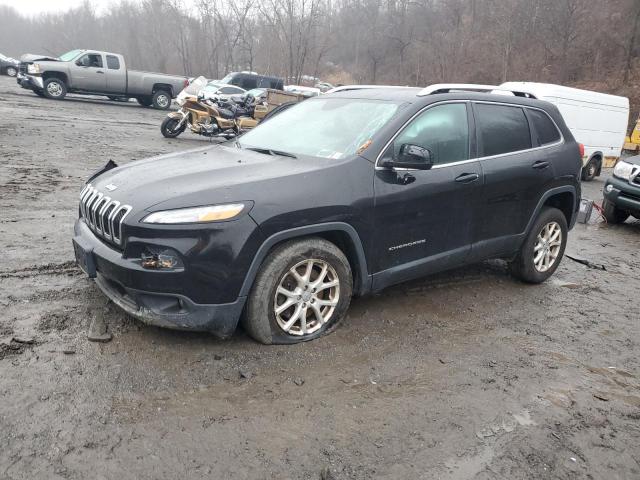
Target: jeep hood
[(205, 176), (31, 57)]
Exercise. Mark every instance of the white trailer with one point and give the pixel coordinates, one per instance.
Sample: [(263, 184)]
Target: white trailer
[(597, 120)]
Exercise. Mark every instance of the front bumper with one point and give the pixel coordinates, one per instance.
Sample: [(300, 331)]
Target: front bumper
[(29, 81), (624, 195), (122, 281)]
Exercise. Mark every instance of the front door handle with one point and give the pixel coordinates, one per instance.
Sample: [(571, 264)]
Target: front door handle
[(467, 177), (540, 165), (99, 71)]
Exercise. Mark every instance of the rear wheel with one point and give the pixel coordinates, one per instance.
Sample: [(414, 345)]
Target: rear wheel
[(612, 213), (12, 71), (55, 89), (170, 129), (302, 291), (590, 170), (161, 100), (543, 247)]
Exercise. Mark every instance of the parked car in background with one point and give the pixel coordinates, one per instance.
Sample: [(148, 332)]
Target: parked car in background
[(93, 72), (622, 191), (302, 90), (8, 66), (341, 194), (597, 120), (324, 86), (218, 90), (249, 80)]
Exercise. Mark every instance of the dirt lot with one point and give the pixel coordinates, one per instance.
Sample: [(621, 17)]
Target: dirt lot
[(469, 374)]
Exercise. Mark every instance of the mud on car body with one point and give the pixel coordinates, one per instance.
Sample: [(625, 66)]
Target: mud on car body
[(341, 195)]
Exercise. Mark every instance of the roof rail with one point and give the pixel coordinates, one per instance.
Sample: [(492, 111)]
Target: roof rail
[(471, 87), (344, 88)]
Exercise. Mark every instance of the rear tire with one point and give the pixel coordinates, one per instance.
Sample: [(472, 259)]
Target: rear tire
[(161, 100), (590, 170), (543, 248), (612, 213), (168, 127), (144, 101), (55, 89), (329, 269), (12, 71)]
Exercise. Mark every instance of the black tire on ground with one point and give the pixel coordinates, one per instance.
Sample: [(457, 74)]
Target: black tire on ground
[(11, 71), (168, 127), (40, 93), (590, 170), (523, 266), (612, 213), (161, 100), (277, 110), (54, 88), (144, 101), (259, 319)]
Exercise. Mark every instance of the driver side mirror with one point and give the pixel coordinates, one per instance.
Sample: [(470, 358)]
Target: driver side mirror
[(411, 156)]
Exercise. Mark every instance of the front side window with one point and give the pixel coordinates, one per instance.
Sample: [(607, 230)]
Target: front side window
[(113, 63), (545, 130), (443, 130), (322, 127), (502, 129), (91, 60)]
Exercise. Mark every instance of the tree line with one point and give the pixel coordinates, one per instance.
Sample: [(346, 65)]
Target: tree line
[(401, 42)]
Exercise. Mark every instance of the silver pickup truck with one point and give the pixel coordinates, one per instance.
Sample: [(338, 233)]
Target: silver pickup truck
[(96, 73)]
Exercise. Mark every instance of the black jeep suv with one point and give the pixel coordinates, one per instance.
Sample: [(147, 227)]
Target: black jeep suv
[(340, 195)]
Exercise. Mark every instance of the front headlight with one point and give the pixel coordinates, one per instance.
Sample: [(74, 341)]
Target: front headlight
[(33, 68), (623, 170), (211, 213)]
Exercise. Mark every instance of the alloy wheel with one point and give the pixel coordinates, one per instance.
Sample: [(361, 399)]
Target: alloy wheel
[(12, 72), (162, 101), (54, 89), (306, 297), (547, 247)]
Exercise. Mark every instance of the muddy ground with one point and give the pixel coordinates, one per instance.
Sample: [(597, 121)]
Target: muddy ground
[(468, 374)]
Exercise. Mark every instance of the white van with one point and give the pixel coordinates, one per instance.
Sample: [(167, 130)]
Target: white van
[(597, 120)]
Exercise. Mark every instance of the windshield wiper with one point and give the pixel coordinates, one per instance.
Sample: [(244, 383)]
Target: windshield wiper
[(268, 151)]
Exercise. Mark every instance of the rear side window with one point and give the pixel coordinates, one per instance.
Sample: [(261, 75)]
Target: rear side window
[(113, 63), (544, 129), (502, 129)]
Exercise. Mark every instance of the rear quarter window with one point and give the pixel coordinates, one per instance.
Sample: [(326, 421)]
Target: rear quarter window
[(543, 127), (113, 63), (502, 129)]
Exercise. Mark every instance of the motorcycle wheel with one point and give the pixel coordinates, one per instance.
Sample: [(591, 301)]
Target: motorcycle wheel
[(168, 127)]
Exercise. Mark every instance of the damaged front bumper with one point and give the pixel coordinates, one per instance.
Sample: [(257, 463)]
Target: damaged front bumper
[(30, 82)]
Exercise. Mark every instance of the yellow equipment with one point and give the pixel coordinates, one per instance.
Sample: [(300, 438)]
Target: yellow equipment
[(632, 144)]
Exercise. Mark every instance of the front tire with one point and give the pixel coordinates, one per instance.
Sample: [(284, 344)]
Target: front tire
[(613, 214), (12, 71), (55, 89), (168, 127), (161, 100), (302, 291), (590, 170), (543, 247)]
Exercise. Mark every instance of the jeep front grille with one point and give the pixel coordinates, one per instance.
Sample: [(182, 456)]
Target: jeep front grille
[(103, 214)]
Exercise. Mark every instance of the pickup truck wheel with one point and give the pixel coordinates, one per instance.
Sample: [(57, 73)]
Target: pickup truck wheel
[(301, 292), (54, 88), (590, 170), (161, 100), (168, 127), (12, 71), (613, 214), (144, 101), (543, 247)]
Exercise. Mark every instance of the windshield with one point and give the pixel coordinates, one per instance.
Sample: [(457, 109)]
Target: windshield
[(2, 57), (228, 78), (67, 57), (322, 127), (212, 86)]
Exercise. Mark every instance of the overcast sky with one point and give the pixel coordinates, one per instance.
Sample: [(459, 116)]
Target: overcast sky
[(31, 7)]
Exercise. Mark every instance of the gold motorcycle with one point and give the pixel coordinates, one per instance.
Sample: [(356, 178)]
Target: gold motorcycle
[(212, 118)]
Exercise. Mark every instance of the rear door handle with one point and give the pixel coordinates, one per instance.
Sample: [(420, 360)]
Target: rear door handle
[(467, 177), (540, 165)]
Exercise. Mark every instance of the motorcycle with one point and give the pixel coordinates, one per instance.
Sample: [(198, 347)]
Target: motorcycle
[(209, 117)]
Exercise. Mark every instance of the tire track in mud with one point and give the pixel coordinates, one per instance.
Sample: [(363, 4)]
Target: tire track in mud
[(65, 268)]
